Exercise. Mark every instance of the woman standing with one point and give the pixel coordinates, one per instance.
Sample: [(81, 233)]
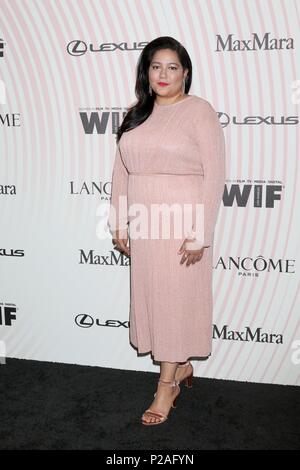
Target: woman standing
[(170, 150)]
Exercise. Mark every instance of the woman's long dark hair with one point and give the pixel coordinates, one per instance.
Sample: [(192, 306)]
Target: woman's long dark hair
[(139, 112)]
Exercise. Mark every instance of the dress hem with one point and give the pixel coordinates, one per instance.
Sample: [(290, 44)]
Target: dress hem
[(186, 357)]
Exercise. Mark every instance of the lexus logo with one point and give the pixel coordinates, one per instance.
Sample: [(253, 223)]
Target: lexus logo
[(224, 119), (271, 120), (76, 47), (84, 321)]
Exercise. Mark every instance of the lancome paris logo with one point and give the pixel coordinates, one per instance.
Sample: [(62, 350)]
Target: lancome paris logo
[(87, 321), (7, 314), (10, 120), (248, 334), (253, 266), (266, 42), (77, 47), (102, 189)]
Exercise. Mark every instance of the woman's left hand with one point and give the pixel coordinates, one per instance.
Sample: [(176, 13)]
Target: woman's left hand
[(190, 256)]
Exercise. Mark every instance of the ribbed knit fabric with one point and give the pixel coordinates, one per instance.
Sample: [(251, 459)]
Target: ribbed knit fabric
[(177, 156)]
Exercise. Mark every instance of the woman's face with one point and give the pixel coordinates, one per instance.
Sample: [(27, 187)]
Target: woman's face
[(166, 73)]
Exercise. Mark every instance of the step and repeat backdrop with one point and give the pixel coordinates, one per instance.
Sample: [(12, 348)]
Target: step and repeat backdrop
[(67, 76)]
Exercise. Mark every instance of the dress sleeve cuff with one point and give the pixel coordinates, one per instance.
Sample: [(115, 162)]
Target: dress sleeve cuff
[(123, 233), (193, 245)]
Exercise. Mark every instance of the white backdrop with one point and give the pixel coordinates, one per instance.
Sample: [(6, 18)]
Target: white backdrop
[(67, 75)]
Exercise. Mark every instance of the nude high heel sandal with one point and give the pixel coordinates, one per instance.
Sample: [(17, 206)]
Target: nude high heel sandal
[(161, 417), (190, 371)]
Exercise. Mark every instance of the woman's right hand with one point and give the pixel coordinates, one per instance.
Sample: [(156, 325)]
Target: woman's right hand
[(121, 243)]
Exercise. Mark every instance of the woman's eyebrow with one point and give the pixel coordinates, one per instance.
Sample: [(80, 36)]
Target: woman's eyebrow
[(156, 62)]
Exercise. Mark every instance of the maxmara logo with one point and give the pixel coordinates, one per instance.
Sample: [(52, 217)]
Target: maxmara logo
[(113, 259), (87, 321), (247, 335), (7, 188), (249, 266), (256, 43)]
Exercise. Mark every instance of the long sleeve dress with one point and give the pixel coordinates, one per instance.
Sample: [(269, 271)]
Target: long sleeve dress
[(176, 156)]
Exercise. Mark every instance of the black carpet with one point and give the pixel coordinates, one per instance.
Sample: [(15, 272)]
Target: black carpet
[(60, 406)]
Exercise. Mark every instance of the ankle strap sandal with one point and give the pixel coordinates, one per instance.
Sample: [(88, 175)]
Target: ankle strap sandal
[(189, 378), (161, 417)]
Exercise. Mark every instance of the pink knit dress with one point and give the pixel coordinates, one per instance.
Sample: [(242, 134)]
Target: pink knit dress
[(177, 156)]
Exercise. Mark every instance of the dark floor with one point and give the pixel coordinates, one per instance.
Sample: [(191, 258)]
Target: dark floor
[(60, 406)]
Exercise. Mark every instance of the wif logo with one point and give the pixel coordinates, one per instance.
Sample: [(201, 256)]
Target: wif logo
[(254, 193), (1, 47), (100, 124), (7, 314)]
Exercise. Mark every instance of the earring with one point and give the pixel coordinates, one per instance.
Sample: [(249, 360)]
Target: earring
[(150, 90)]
